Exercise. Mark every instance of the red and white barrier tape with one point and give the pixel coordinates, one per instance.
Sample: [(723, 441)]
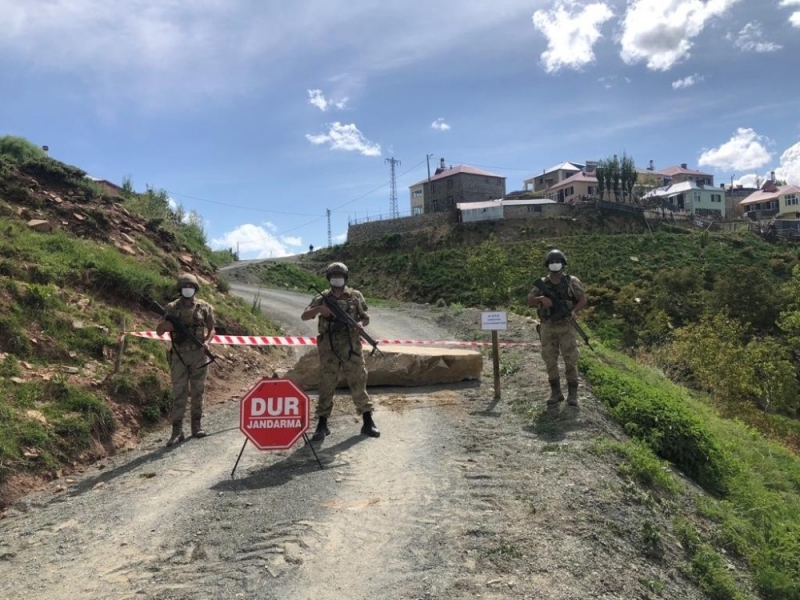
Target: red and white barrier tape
[(264, 340)]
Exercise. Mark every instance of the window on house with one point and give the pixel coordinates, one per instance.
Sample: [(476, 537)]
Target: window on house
[(534, 209), (449, 184), (435, 204), (716, 197), (417, 194), (791, 199), (449, 201), (697, 196)]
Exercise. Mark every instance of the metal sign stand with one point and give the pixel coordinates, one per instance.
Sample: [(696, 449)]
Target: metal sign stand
[(305, 437)]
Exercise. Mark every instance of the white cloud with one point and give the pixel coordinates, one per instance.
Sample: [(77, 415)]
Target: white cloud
[(318, 99), (746, 150), (571, 33), (794, 19), (751, 180), (660, 32), (255, 241), (687, 82), (790, 165), (346, 137), (440, 125), (291, 240), (750, 37)]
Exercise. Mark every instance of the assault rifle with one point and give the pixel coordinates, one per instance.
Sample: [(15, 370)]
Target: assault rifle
[(341, 316), (180, 329), (560, 306)]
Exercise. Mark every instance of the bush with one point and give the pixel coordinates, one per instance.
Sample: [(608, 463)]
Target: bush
[(19, 149)]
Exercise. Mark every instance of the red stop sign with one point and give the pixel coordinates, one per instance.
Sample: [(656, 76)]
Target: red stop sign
[(274, 414)]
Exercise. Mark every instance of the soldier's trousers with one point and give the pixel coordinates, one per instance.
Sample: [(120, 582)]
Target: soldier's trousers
[(188, 379), (559, 338), (330, 367)]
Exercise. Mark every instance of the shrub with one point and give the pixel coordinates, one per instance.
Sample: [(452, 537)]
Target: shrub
[(19, 149)]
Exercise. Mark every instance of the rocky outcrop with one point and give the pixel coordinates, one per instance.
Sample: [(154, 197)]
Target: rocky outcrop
[(401, 366)]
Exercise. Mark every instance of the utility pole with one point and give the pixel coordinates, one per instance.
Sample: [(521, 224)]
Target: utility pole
[(425, 200), (393, 188), (330, 238)]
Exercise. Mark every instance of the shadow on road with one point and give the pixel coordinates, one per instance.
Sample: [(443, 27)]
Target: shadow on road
[(297, 464), (554, 423), (489, 411), (88, 484)]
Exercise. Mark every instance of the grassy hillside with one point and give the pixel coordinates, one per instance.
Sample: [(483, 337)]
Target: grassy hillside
[(67, 285)]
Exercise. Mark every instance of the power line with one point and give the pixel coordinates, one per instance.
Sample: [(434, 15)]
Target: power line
[(380, 187), (276, 212)]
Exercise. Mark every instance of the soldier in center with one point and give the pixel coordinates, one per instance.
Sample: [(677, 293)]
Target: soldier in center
[(339, 347)]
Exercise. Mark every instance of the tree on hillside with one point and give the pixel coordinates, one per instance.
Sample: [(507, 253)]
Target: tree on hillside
[(600, 173), (628, 175), (609, 176), (19, 149)]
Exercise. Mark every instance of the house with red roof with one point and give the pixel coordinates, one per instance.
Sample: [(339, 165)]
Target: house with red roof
[(450, 186)]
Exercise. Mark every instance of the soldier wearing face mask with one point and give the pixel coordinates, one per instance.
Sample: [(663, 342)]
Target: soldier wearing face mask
[(557, 334), (339, 347), (188, 362)]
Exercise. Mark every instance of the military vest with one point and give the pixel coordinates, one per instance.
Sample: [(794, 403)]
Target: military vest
[(350, 301), (193, 317), (563, 291)]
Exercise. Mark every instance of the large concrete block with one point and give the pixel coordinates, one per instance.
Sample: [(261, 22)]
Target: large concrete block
[(401, 366)]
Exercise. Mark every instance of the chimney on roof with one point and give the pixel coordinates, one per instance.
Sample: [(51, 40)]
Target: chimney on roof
[(441, 164), (684, 166), (772, 176), (651, 167)]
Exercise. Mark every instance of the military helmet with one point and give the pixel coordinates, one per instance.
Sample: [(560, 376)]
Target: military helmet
[(188, 279), (336, 267), (555, 256)]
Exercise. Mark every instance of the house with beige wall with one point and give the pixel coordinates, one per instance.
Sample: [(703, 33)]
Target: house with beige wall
[(579, 186), (782, 202), (552, 176)]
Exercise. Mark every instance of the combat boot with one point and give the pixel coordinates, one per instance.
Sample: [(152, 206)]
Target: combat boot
[(322, 430), (555, 392), (197, 430), (177, 434), (369, 428), (572, 393)]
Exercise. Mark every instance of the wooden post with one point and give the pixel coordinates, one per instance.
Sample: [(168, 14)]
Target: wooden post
[(120, 349), (496, 364)]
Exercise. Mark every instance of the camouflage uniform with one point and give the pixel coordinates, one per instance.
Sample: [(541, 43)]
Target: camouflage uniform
[(187, 361), (556, 333), (339, 350)]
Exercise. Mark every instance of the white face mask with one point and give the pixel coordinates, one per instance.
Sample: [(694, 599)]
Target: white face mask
[(337, 281), (187, 292), (555, 267)]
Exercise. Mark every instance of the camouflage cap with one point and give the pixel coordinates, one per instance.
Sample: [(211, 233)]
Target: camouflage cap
[(187, 279)]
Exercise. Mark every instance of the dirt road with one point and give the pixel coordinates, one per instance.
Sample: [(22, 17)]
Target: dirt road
[(461, 497)]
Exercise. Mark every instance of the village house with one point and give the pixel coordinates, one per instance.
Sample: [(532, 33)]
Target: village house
[(772, 200), (693, 197), (450, 186)]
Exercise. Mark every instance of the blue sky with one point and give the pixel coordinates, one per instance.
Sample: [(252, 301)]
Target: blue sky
[(261, 116)]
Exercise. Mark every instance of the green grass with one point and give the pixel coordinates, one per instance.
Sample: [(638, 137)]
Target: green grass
[(45, 423), (755, 483)]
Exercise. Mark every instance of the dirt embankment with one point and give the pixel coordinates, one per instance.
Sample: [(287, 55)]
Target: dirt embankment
[(462, 496)]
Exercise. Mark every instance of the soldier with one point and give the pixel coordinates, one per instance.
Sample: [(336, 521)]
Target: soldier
[(188, 362), (557, 333), (339, 348)]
